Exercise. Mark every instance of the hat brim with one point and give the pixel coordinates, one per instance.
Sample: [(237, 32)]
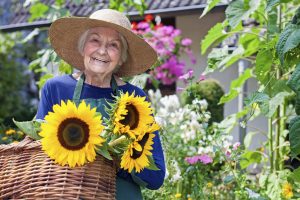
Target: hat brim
[(64, 34)]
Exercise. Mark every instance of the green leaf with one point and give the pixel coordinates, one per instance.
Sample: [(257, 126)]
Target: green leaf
[(214, 35), (275, 102), (37, 11), (294, 81), (103, 150), (294, 136), (214, 58), (30, 128), (140, 80), (296, 175), (271, 4), (152, 165), (263, 65), (256, 97), (239, 10), (60, 2), (248, 139), (250, 157), (231, 58), (288, 40), (250, 42), (235, 86), (228, 179), (272, 27), (210, 5), (296, 18), (31, 35), (65, 68), (43, 79)]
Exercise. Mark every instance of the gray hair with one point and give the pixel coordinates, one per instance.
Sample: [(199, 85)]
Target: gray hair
[(124, 48)]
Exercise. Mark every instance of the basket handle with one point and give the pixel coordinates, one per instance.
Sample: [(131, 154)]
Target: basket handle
[(23, 144)]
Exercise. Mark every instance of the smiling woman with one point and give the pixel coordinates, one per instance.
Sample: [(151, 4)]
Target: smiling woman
[(104, 49)]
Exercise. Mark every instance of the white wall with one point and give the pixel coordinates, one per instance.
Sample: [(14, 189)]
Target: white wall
[(196, 29)]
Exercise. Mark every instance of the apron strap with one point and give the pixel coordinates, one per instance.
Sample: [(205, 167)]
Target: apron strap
[(114, 86), (79, 86)]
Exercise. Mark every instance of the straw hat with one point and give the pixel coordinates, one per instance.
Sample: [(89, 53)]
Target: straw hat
[(64, 34)]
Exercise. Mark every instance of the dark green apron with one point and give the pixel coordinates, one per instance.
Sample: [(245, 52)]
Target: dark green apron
[(125, 190)]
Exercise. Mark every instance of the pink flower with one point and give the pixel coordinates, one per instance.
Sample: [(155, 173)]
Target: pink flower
[(143, 25), (169, 45), (186, 42), (236, 145), (202, 77), (204, 158), (187, 75)]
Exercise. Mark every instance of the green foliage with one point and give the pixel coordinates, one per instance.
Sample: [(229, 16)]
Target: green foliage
[(294, 84), (215, 35), (12, 81), (210, 5), (124, 5), (250, 157), (236, 85), (37, 11), (211, 91), (30, 128), (240, 10), (271, 46)]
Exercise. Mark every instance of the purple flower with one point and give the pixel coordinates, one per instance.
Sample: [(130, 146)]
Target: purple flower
[(169, 71), (202, 77), (204, 158), (143, 25), (187, 75), (236, 145), (186, 42)]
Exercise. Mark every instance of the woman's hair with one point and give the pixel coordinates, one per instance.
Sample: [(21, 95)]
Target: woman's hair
[(124, 48)]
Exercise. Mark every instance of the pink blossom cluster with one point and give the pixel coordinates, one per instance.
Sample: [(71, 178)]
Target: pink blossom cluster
[(204, 158), (169, 45)]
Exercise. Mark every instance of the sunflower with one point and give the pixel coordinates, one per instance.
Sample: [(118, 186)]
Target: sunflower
[(70, 134), (136, 155), (131, 115)]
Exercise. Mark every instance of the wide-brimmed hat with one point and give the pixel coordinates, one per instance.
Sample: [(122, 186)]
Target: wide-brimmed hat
[(64, 34)]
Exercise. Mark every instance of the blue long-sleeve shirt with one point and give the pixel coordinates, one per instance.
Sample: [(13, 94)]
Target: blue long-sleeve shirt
[(62, 88)]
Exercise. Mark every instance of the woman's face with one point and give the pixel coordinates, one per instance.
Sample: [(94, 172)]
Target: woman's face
[(102, 51)]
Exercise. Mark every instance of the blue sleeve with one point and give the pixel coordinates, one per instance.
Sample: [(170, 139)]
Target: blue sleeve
[(45, 104), (153, 179)]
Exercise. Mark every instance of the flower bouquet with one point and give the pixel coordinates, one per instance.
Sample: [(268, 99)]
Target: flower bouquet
[(71, 137)]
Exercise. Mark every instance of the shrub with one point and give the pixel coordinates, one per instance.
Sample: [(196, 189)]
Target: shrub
[(211, 91)]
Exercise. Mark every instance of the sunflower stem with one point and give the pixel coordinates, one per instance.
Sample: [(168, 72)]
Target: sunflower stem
[(117, 141)]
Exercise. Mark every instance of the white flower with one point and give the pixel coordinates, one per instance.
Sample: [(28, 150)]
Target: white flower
[(161, 122), (177, 175), (188, 135), (202, 103), (171, 103), (154, 96)]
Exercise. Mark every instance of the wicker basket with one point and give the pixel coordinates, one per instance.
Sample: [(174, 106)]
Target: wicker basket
[(26, 172)]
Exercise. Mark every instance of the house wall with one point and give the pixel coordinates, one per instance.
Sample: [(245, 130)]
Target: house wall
[(196, 29)]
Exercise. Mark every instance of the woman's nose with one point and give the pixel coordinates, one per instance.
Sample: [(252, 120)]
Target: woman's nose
[(102, 49)]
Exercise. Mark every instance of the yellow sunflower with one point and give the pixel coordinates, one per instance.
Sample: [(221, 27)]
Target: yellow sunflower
[(132, 114), (136, 155), (70, 134)]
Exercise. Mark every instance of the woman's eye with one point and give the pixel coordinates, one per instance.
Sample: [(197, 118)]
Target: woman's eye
[(115, 45)]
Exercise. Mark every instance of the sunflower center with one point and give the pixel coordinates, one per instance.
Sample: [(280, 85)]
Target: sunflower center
[(73, 133), (132, 117), (136, 154)]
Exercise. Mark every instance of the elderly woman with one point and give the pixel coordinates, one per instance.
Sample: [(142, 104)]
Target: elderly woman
[(103, 48)]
